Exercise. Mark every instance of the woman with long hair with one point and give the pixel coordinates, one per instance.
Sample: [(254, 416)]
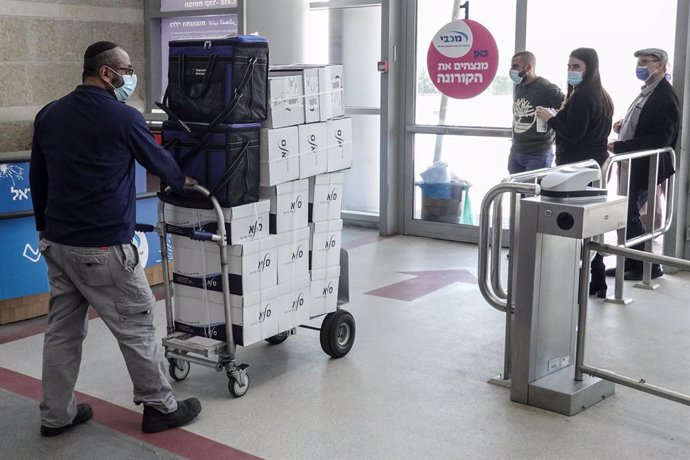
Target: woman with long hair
[(582, 127)]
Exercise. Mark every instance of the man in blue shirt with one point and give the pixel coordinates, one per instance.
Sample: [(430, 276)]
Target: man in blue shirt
[(82, 183)]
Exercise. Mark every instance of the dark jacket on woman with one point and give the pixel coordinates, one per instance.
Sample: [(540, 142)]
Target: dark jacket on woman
[(582, 128)]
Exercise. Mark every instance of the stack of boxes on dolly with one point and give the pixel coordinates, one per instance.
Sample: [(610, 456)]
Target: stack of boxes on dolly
[(271, 162)]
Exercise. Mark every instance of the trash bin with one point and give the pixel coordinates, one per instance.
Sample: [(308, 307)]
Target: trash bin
[(442, 202)]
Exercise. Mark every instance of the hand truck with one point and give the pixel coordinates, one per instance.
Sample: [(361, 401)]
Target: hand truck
[(337, 331)]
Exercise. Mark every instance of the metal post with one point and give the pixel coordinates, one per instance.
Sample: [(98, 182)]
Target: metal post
[(582, 312), (165, 267)]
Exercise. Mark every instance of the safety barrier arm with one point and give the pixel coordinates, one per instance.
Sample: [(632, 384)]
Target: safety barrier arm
[(580, 367), (650, 222)]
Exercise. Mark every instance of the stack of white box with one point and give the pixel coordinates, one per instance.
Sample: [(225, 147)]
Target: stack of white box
[(260, 307), (305, 140)]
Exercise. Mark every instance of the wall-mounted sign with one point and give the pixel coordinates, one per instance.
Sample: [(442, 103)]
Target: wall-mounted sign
[(185, 5), (15, 193), (462, 59)]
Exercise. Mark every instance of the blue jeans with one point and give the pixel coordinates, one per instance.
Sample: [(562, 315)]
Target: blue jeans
[(521, 162)]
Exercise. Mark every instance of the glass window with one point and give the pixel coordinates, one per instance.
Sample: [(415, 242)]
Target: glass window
[(481, 161), (636, 26), (491, 108)]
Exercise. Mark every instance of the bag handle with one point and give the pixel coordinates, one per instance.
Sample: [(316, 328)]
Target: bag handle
[(238, 93), (207, 74), (232, 169)]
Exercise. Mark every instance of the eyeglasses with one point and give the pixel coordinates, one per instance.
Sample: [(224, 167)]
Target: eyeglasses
[(127, 70), (646, 62)]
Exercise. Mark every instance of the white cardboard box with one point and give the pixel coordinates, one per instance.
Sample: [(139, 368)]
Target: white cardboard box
[(324, 291), (325, 244), (255, 316), (247, 222), (325, 196), (310, 81), (278, 156), (331, 87), (293, 254), (339, 144), (296, 311), (252, 266), (313, 156), (289, 205), (285, 101)]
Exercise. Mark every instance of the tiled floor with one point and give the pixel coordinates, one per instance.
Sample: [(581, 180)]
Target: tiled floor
[(413, 386)]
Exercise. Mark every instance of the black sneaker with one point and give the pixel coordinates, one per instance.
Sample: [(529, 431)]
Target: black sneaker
[(156, 421), (84, 414)]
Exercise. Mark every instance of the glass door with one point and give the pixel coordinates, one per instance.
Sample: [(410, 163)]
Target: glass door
[(464, 140), (353, 29)]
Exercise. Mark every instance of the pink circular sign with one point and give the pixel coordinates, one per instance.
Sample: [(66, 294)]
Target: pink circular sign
[(462, 59)]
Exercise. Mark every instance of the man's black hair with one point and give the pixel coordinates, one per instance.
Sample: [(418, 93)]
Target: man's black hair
[(97, 55)]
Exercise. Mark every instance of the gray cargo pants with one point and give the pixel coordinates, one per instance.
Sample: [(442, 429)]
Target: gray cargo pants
[(113, 282)]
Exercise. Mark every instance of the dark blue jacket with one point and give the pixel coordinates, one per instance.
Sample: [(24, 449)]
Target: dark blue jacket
[(82, 168)]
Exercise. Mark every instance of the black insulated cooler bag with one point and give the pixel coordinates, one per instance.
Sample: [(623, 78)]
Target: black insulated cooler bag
[(225, 160), (217, 81)]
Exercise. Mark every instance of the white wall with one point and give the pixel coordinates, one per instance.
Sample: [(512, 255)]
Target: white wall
[(282, 22)]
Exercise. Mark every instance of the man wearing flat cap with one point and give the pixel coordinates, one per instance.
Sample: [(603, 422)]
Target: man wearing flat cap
[(651, 122), (82, 186)]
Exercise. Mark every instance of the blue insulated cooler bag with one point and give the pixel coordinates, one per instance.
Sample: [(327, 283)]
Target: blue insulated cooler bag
[(225, 160), (217, 81)]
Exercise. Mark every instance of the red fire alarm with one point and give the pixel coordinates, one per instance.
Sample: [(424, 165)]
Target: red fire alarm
[(382, 65)]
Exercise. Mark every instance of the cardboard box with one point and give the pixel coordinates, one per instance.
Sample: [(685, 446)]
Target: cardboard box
[(331, 87), (310, 82), (289, 205), (339, 144), (298, 302), (252, 266), (293, 254), (278, 156), (324, 245), (324, 291), (285, 101), (325, 196), (255, 316), (312, 149), (242, 223)]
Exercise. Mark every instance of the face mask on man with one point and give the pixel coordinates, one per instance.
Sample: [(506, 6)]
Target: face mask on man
[(127, 88), (642, 72), (574, 77), (517, 75)]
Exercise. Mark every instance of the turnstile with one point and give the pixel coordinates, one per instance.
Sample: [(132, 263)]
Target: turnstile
[(546, 288)]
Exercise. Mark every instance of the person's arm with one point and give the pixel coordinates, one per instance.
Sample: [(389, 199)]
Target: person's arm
[(661, 125), (575, 127), (38, 181), (555, 97), (153, 157)]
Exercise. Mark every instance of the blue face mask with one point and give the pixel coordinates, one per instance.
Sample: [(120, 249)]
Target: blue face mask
[(125, 91), (515, 76), (574, 77), (642, 72)]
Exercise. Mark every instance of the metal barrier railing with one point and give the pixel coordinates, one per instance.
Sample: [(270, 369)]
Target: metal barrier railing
[(580, 367), (623, 160), (492, 222)]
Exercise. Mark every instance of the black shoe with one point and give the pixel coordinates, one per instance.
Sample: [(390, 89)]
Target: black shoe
[(84, 414), (598, 288), (155, 421), (636, 275)]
